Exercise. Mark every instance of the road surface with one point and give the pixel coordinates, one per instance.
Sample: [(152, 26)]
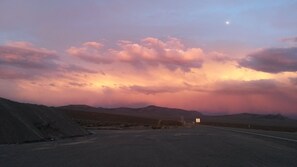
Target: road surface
[(199, 146)]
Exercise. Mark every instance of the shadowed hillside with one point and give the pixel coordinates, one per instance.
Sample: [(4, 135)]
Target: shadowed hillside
[(275, 122), (153, 112), (21, 122)]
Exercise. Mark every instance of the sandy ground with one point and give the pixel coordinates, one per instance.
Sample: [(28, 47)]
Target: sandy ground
[(199, 146)]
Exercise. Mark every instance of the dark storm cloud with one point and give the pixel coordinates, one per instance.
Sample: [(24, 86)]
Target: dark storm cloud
[(272, 60)]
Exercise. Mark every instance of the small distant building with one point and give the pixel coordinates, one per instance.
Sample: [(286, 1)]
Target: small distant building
[(198, 120)]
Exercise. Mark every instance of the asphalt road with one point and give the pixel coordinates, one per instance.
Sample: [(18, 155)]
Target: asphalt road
[(200, 146)]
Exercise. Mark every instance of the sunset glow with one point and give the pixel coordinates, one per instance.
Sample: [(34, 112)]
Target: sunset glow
[(170, 53)]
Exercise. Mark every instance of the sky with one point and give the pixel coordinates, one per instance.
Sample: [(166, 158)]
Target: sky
[(218, 57)]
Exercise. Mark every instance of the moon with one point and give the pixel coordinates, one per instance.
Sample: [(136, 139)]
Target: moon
[(227, 22)]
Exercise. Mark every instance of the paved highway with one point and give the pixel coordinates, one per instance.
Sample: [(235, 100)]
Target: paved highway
[(200, 146)]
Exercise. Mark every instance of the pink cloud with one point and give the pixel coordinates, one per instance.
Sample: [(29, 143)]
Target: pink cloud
[(220, 57), (23, 60), (171, 54), (151, 52), (95, 45), (90, 52), (26, 55)]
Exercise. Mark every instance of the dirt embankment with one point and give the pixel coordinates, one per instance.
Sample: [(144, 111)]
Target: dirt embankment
[(21, 123)]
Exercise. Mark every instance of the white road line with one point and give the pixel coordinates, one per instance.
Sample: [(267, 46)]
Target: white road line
[(258, 134)]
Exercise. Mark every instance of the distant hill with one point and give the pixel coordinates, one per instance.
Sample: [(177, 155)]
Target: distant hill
[(153, 112), (251, 118), (255, 121), (20, 122)]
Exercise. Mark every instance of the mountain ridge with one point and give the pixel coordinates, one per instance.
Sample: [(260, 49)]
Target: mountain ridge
[(151, 111)]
